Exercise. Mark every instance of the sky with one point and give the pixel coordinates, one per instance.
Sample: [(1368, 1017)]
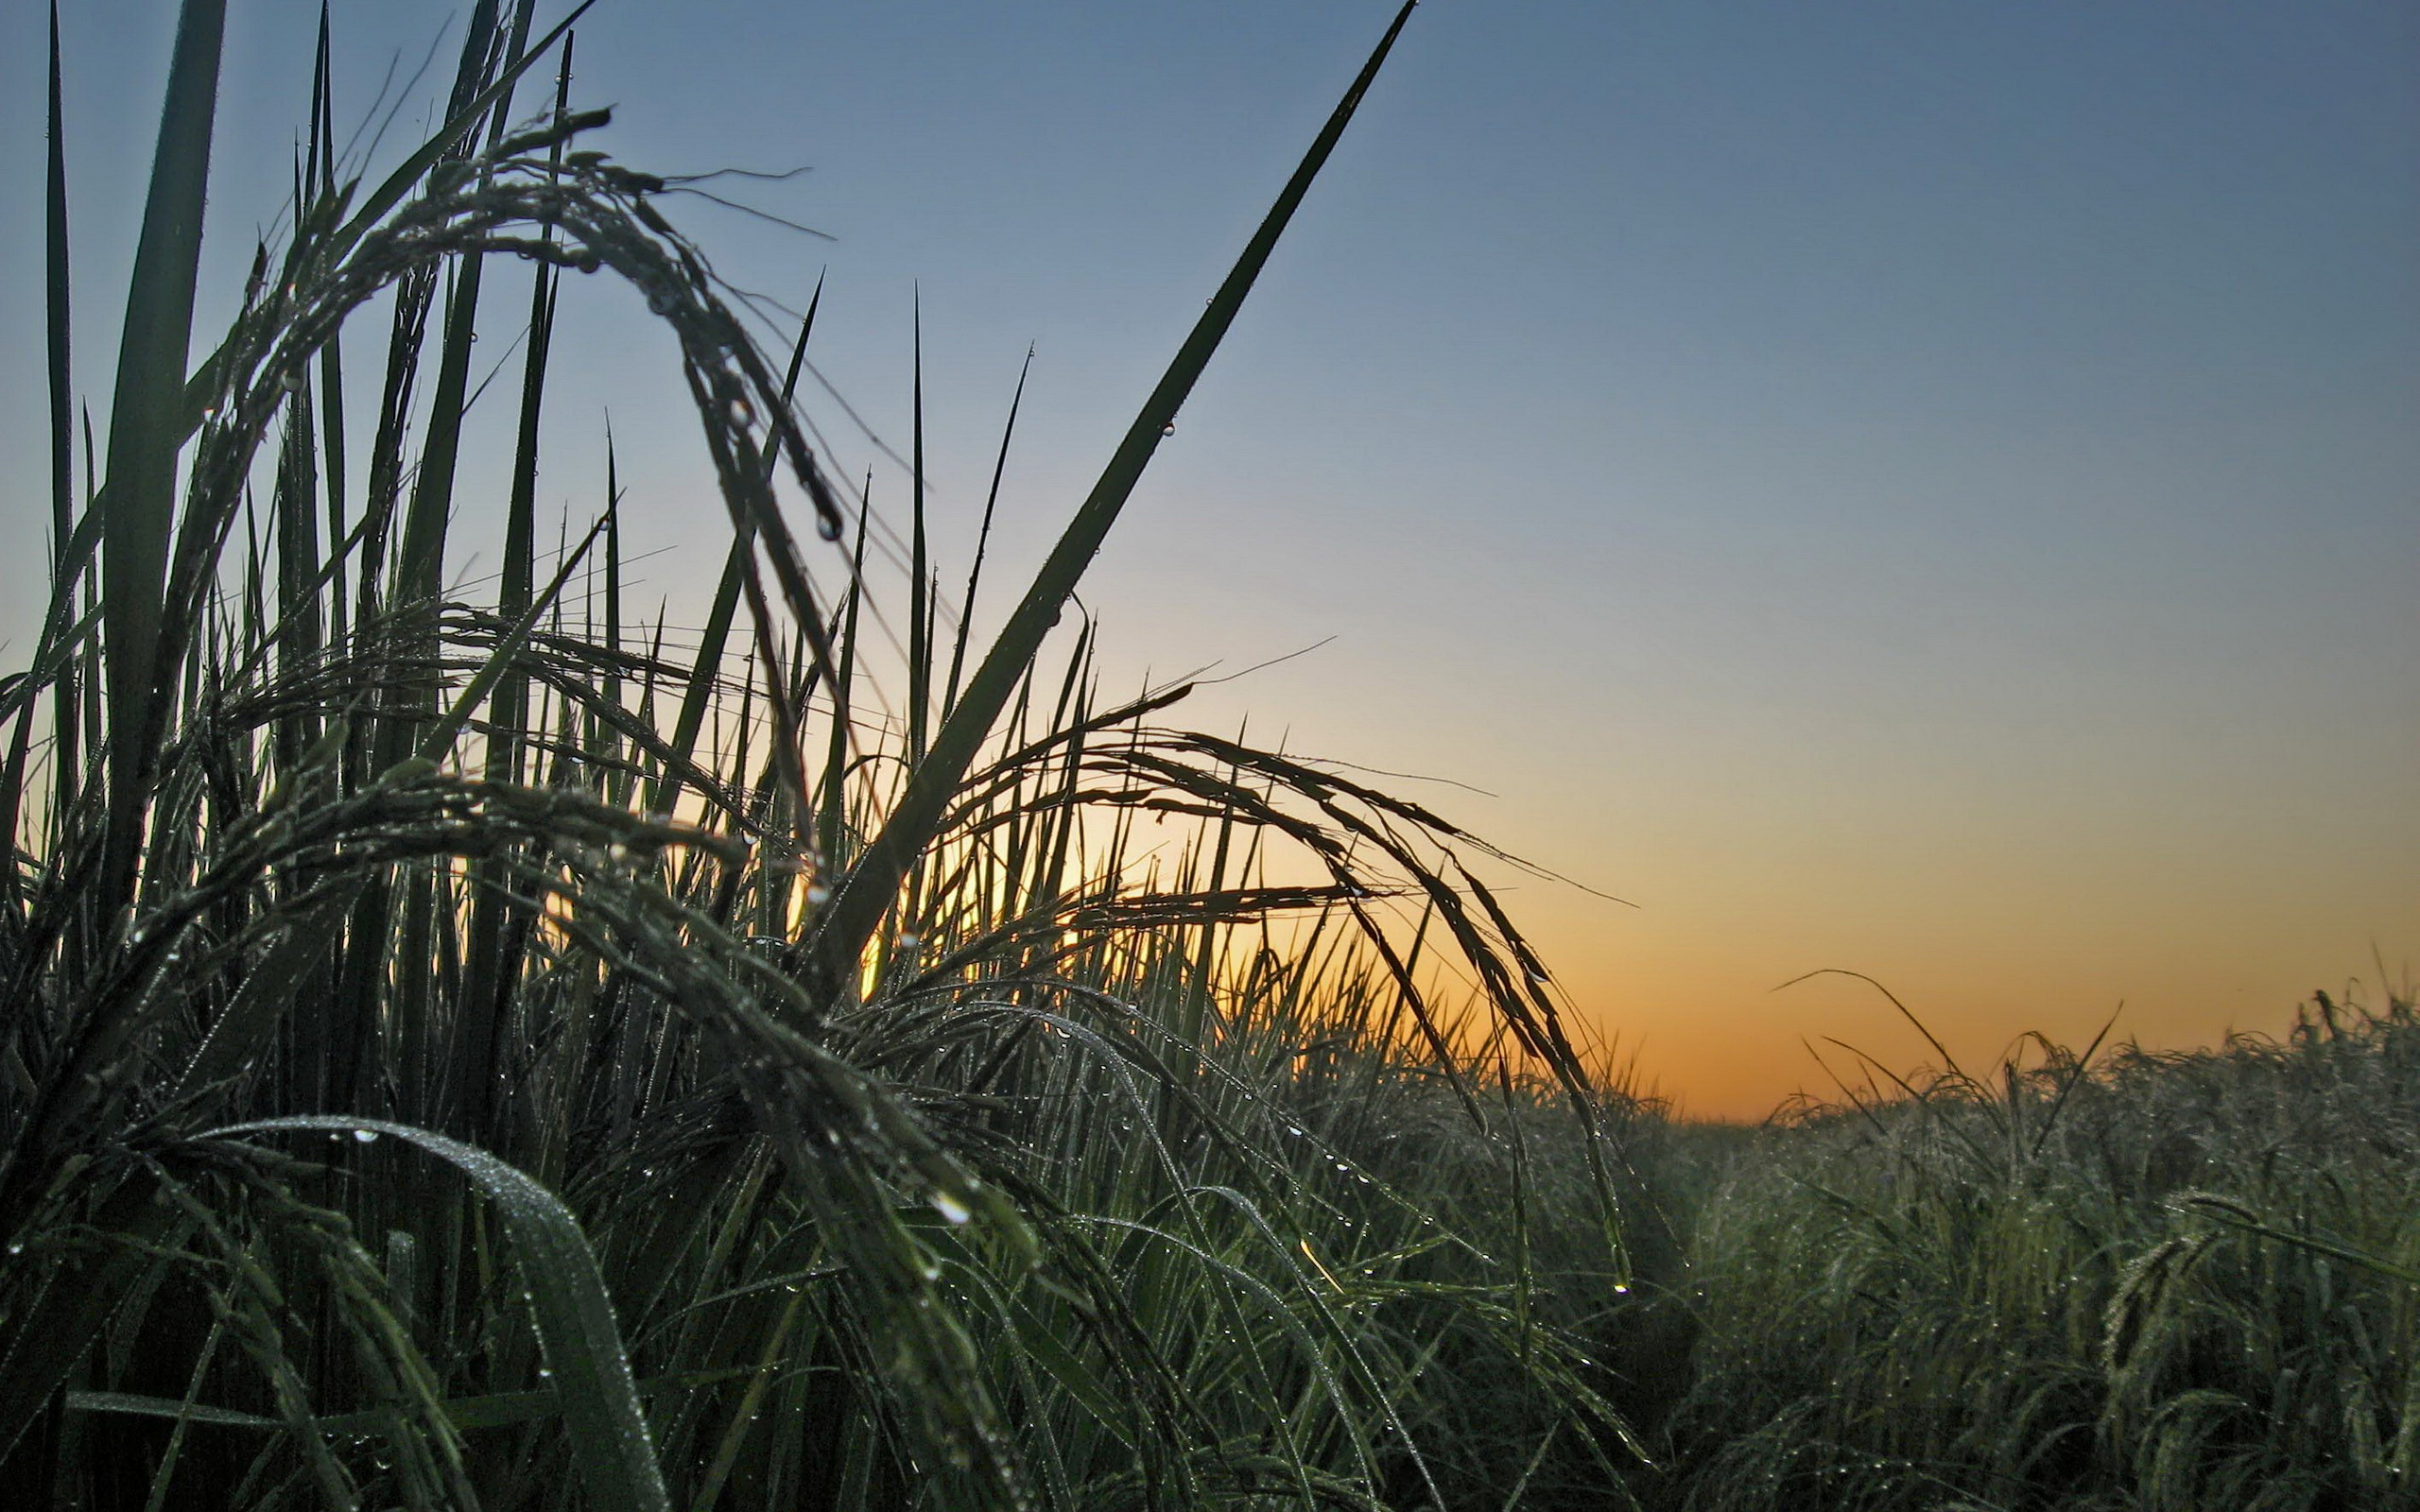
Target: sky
[(1916, 488)]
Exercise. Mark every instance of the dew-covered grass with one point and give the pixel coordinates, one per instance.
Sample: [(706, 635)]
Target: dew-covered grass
[(488, 1048)]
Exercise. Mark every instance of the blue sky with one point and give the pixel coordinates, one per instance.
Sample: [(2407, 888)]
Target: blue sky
[(1921, 488)]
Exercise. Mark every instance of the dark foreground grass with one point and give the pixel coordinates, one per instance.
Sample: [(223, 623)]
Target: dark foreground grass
[(494, 1052), (497, 1052)]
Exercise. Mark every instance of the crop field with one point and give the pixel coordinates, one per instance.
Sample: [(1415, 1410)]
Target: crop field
[(485, 1046)]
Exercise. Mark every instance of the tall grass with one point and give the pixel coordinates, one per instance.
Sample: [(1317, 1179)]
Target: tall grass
[(497, 1052), (470, 1053), (2156, 1281)]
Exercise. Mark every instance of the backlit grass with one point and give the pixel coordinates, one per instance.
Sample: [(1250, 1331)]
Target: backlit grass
[(488, 1049)]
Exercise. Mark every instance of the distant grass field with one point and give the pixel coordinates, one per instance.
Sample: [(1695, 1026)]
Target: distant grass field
[(504, 1052), (2170, 1282)]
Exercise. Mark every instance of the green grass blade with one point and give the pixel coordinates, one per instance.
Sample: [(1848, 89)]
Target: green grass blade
[(612, 690), (133, 1404), (982, 540), (145, 435), (576, 1332), (323, 184), (866, 893), (62, 417), (418, 572), (833, 814), (296, 508), (919, 644)]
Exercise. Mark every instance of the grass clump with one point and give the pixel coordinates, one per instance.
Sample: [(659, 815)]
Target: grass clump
[(489, 1053)]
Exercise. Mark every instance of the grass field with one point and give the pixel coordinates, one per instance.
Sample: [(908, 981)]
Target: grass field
[(503, 1051)]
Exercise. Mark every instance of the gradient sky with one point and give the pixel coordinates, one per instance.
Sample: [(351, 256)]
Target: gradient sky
[(1919, 487)]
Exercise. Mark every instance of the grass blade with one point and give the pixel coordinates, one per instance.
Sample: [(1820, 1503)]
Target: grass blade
[(576, 1332), (919, 644), (62, 420), (145, 435), (982, 540)]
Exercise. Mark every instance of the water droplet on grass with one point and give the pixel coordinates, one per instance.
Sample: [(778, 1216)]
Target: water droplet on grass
[(366, 1136), (951, 1209)]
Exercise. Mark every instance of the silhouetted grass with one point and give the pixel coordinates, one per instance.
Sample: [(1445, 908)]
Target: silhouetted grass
[(475, 1051), (461, 1053)]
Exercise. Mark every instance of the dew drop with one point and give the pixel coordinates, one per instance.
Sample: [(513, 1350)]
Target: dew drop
[(950, 1207), (828, 527), (365, 1136), (660, 303), (1168, 429)]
